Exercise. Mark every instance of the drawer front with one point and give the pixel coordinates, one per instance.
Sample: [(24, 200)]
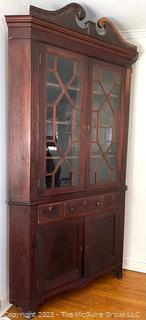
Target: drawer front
[(50, 212), (93, 204), (83, 205), (114, 200), (96, 203), (77, 206)]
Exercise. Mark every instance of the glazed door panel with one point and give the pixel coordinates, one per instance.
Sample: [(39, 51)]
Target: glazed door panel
[(62, 116), (60, 253), (99, 242), (105, 124)]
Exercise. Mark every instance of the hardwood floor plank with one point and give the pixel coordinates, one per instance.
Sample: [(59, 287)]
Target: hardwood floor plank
[(113, 298)]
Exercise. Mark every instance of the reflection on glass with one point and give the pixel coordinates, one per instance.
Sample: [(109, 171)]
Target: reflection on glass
[(74, 92), (53, 168), (98, 96), (79, 69), (52, 79), (63, 120), (115, 99), (106, 84), (49, 114), (49, 127), (96, 71), (103, 172), (65, 69), (105, 138), (106, 115), (53, 93), (108, 80), (51, 60), (112, 160)]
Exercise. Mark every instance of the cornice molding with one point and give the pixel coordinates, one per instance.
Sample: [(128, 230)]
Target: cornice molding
[(64, 23), (69, 16)]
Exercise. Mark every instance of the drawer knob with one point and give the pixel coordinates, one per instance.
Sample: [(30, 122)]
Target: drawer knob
[(97, 203), (72, 208), (50, 208)]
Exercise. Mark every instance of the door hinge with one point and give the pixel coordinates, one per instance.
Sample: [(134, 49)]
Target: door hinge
[(40, 58)]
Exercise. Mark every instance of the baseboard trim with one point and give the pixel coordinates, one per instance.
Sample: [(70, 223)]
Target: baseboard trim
[(4, 305), (134, 264)]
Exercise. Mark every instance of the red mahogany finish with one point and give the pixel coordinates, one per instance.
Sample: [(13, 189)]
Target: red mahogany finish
[(69, 91)]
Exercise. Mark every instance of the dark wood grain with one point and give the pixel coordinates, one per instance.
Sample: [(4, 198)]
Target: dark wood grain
[(41, 23), (19, 119), (99, 243), (67, 17), (62, 238), (60, 253)]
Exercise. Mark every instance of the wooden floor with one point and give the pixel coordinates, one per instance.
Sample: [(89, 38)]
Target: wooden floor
[(105, 298)]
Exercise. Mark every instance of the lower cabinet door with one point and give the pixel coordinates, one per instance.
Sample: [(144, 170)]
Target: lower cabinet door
[(60, 253), (99, 242)]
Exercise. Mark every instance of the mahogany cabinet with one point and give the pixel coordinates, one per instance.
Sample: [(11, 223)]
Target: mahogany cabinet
[(69, 89)]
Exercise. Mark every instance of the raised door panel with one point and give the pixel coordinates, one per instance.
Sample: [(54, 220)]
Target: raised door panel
[(62, 117), (60, 253), (105, 124), (99, 242)]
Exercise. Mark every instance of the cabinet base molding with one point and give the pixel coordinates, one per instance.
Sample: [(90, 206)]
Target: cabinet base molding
[(31, 309)]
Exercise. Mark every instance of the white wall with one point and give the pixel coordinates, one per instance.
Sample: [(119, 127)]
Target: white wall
[(135, 221), (135, 215), (6, 7)]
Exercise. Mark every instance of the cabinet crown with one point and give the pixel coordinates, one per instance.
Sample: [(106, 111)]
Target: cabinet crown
[(67, 20)]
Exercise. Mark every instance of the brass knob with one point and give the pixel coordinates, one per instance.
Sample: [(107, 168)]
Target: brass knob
[(72, 208), (98, 203)]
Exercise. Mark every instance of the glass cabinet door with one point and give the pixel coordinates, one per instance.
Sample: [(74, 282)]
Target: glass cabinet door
[(105, 117), (63, 118)]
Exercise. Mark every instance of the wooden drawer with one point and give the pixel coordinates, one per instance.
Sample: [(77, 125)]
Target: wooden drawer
[(96, 203), (76, 206), (93, 204), (50, 212), (114, 200), (83, 205)]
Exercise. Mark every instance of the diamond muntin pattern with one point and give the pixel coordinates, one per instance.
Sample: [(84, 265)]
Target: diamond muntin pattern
[(105, 119), (64, 96)]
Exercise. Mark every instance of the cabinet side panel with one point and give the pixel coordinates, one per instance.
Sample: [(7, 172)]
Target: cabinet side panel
[(35, 58), (19, 252), (126, 122), (19, 119), (119, 237)]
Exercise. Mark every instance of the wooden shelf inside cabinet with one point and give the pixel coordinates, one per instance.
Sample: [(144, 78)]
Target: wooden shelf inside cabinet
[(100, 94), (57, 158), (54, 85), (58, 122)]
